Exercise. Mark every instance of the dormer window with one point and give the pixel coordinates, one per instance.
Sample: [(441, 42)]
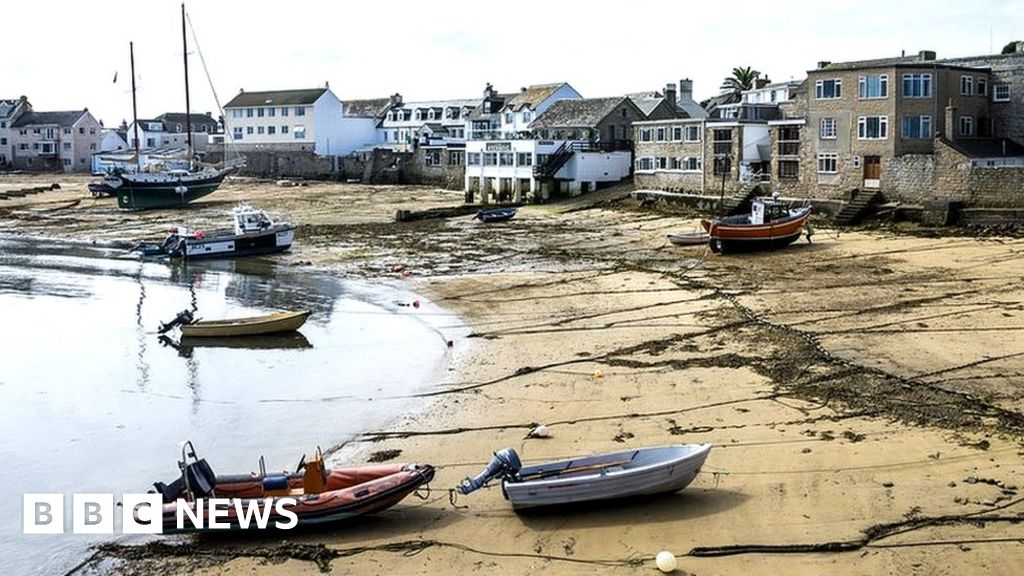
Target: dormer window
[(391, 116), (419, 114), (509, 117), (430, 114), (527, 116)]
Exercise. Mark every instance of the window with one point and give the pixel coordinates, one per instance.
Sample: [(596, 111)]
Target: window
[(723, 166), (237, 133), (509, 117), (661, 135), (236, 113), (430, 116), (473, 159), (722, 141), (524, 159), (691, 164), (693, 133), (1001, 92), (506, 159), (916, 127), (300, 111), (92, 131), (66, 161), (527, 116), (271, 129), (249, 130), (81, 130), (789, 169), (433, 158), (677, 133), (284, 129), (259, 113), (967, 125), (271, 112), (872, 127), (827, 89), (661, 163), (982, 87), (67, 145), (23, 131), (828, 129), (876, 86), (675, 163), (284, 111), (645, 134), (455, 157), (917, 85), (967, 85), (259, 129), (23, 146), (3, 141), (299, 132), (248, 112), (827, 163), (789, 140), (645, 164), (92, 146), (490, 158), (35, 130)]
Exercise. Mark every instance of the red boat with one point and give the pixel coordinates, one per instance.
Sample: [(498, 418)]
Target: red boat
[(771, 224), (311, 495)]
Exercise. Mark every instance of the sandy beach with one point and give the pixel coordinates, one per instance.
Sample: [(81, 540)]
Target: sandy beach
[(862, 393)]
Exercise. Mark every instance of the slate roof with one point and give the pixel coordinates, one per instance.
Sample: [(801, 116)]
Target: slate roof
[(63, 119), (276, 98), (914, 60), (369, 108), (582, 113), (478, 112), (646, 104), (8, 106), (987, 147), (173, 118), (532, 96)]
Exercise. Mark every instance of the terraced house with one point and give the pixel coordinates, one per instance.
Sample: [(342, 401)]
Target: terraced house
[(55, 141)]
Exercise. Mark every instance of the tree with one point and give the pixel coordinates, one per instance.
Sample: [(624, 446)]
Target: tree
[(741, 79), (1010, 48)]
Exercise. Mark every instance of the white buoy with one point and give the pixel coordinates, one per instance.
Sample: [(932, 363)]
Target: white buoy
[(666, 561)]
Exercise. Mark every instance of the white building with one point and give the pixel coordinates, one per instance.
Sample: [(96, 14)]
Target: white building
[(309, 120), (523, 108), (10, 109), (168, 130), (361, 120), (111, 141), (408, 123), (54, 141)]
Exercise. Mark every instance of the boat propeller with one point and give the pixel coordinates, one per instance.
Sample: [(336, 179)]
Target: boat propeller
[(183, 317), (505, 463)]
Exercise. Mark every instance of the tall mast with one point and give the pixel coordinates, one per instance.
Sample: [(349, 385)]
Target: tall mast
[(135, 113), (188, 112)]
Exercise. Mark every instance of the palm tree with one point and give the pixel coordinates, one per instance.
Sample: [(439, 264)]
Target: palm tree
[(741, 79)]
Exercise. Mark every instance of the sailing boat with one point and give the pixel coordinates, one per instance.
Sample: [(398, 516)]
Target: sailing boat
[(143, 189)]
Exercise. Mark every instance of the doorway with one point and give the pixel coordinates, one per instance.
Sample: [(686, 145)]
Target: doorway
[(872, 171)]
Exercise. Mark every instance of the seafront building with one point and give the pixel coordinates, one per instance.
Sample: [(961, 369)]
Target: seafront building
[(54, 141), (168, 130)]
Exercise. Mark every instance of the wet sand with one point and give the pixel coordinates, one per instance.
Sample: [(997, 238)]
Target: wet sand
[(863, 393)]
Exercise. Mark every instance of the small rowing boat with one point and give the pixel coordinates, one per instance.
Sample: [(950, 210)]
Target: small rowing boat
[(695, 238), (496, 215), (313, 493), (251, 326), (638, 472)]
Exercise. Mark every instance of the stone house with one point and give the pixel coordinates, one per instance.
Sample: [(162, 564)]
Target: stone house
[(55, 141)]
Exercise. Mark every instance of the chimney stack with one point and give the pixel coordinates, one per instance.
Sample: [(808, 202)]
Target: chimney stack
[(686, 89), (396, 99), (670, 92), (1019, 46)]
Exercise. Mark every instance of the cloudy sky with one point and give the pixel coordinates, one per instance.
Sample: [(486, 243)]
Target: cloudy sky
[(64, 54)]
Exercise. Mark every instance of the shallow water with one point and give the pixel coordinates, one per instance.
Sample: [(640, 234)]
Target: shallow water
[(92, 401)]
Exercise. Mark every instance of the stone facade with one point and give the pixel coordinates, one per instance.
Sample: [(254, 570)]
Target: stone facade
[(687, 155), (445, 167), (1007, 116)]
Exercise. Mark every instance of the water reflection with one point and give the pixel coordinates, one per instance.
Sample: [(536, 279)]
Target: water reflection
[(287, 341)]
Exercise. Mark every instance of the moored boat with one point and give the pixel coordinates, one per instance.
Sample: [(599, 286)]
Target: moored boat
[(771, 224), (496, 215), (250, 326), (164, 189), (614, 475), (315, 494), (254, 233), (695, 238)]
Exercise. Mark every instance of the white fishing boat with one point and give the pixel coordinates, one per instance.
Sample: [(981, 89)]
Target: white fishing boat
[(638, 472)]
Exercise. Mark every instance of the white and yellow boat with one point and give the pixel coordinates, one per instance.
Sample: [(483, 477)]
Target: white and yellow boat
[(250, 326)]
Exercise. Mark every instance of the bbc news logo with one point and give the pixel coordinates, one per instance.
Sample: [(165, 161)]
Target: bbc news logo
[(144, 514)]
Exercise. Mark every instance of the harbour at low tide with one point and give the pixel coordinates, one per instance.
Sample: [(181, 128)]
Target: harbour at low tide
[(95, 402)]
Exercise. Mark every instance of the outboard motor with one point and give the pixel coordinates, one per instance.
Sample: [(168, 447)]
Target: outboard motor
[(183, 317), (505, 464)]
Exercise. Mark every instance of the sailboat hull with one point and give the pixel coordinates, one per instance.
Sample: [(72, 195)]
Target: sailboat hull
[(137, 194)]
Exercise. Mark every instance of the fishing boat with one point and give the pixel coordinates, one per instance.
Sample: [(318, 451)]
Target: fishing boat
[(695, 238), (496, 215), (252, 326), (771, 224), (317, 495), (613, 475), (153, 186), (254, 233)]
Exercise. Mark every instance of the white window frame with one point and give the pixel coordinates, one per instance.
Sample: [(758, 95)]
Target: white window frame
[(966, 85), (675, 163), (526, 116), (828, 163), (693, 131), (691, 164), (862, 128), (982, 86), (1000, 87), (922, 121), (645, 164), (473, 159), (925, 80), (837, 89), (862, 87), (660, 134), (661, 163), (968, 123), (828, 129), (646, 135), (677, 133)]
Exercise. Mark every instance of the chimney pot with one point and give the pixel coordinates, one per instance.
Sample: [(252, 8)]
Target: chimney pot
[(823, 64)]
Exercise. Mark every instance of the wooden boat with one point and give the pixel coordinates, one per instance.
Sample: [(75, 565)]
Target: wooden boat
[(496, 215), (643, 471), (321, 495), (254, 233), (251, 326), (771, 224), (695, 238)]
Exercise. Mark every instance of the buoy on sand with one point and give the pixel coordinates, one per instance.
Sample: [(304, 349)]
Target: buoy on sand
[(666, 561)]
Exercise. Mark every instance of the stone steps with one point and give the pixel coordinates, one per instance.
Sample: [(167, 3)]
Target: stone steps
[(857, 207)]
